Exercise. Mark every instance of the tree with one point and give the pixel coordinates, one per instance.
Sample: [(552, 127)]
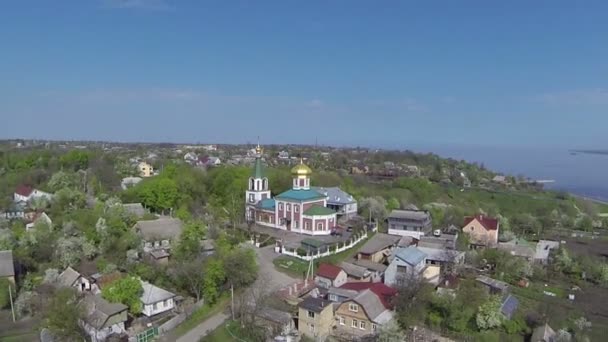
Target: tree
[(191, 276), (374, 207), (70, 250), (214, 278), (126, 291), (188, 247), (488, 315), (62, 315), (63, 180), (412, 300), (243, 260), (390, 332), (392, 204)]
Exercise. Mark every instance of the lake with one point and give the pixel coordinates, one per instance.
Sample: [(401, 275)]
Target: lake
[(582, 174)]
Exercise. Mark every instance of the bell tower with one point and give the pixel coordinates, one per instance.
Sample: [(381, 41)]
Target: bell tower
[(257, 188)]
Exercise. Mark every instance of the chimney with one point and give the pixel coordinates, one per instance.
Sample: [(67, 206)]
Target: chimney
[(290, 292)]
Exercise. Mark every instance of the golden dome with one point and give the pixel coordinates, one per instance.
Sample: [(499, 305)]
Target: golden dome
[(258, 149), (301, 169)]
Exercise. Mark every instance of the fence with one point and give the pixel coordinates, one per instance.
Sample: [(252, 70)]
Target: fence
[(331, 250), (179, 319)]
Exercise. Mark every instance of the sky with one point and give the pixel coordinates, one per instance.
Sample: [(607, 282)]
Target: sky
[(336, 72)]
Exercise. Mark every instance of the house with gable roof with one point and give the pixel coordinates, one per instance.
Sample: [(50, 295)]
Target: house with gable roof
[(482, 230), (26, 193), (406, 263), (339, 200), (329, 275), (103, 318), (362, 315), (301, 209), (155, 300)]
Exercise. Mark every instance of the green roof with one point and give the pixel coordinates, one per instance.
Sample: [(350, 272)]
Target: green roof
[(258, 169), (267, 203), (317, 210), (312, 242), (300, 195)]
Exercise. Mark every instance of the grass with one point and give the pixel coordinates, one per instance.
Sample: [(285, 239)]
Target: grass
[(297, 267), (229, 331), (32, 336), (202, 314)]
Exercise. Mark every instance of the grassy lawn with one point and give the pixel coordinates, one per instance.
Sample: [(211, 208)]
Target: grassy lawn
[(201, 315), (225, 332), (297, 268), (33, 336)]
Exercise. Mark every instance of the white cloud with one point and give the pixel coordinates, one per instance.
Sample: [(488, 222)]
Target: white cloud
[(581, 97), (153, 5)]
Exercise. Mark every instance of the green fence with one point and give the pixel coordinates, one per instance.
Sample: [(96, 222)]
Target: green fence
[(147, 335)]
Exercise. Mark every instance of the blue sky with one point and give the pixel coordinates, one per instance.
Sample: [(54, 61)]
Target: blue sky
[(381, 73)]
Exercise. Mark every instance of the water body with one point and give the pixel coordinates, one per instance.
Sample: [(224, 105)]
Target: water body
[(581, 173)]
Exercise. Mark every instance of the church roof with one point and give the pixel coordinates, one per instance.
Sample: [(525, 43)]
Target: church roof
[(258, 169), (301, 169), (267, 203), (317, 210), (300, 195)]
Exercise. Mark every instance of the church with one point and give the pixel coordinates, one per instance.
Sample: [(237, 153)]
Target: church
[(302, 209)]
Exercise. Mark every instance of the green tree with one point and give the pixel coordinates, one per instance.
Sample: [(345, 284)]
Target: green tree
[(62, 315), (214, 278), (243, 260), (392, 204), (488, 315), (188, 247), (61, 180), (126, 291)]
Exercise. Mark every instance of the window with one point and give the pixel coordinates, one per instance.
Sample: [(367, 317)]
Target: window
[(296, 208), (288, 207), (362, 325), (333, 297), (295, 224), (311, 327), (354, 324), (251, 198), (341, 320), (374, 327), (307, 225), (155, 306), (311, 314), (353, 307), (280, 206), (320, 226)]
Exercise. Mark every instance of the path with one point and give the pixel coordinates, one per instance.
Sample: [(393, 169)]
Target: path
[(277, 280)]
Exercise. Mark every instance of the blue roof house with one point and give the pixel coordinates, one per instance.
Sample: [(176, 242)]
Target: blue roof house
[(406, 263)]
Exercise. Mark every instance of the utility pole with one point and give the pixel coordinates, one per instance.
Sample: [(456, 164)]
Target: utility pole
[(10, 295), (232, 300)]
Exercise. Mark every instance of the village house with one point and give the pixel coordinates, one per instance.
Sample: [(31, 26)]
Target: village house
[(283, 155), (128, 182), (190, 157), (315, 318), (519, 248), (15, 211), (493, 286), (38, 219), (414, 223), (329, 275), (376, 270), (155, 300), (355, 272), (543, 250), (407, 262), (446, 259), (103, 318), (7, 266), (338, 294), (384, 292), (276, 322), (438, 240), (71, 278), (544, 333), (145, 170), (361, 315), (378, 248), (25, 194), (338, 200), (482, 230), (159, 233)]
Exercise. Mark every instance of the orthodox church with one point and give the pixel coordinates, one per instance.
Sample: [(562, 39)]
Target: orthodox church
[(300, 209)]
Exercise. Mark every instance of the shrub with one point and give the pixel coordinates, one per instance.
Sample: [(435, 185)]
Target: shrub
[(301, 251)]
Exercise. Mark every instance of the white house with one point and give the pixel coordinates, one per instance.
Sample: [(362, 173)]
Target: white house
[(41, 218), (128, 182), (25, 193), (407, 263), (329, 275), (156, 300)]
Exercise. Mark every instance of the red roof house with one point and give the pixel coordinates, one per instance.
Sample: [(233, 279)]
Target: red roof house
[(329, 275), (482, 230), (384, 292), (24, 190)]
